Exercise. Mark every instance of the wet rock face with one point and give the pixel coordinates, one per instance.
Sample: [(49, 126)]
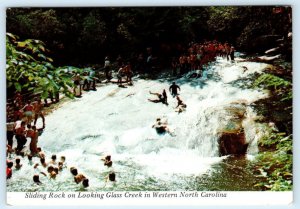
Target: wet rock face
[(232, 139), (232, 143)]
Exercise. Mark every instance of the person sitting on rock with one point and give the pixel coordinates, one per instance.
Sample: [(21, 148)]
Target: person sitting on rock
[(180, 105)]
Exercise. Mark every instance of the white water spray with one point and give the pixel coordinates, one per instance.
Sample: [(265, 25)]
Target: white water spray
[(117, 121)]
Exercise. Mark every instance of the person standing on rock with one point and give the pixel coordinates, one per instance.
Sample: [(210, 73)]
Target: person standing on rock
[(77, 80), (20, 136), (232, 53), (33, 134), (38, 107), (10, 131), (107, 68), (173, 89), (28, 111)]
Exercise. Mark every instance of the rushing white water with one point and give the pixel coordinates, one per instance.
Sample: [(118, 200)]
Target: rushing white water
[(117, 121)]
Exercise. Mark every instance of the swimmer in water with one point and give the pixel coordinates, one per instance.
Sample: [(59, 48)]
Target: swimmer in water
[(161, 127), (18, 163), (111, 177), (36, 179), (107, 161), (74, 171), (79, 178)]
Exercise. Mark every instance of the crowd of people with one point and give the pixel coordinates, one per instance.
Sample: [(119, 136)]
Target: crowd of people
[(21, 123), (22, 116), (200, 54)]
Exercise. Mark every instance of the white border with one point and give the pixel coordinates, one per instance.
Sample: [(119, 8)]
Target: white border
[(139, 199), (247, 197)]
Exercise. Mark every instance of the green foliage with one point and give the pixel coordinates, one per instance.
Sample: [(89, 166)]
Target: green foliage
[(276, 168), (36, 23), (29, 69), (276, 162), (93, 32), (281, 87), (275, 165), (86, 33)]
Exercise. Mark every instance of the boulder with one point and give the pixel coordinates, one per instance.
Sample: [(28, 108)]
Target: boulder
[(232, 143), (232, 140)]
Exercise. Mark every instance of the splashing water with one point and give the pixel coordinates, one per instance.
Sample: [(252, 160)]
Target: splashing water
[(117, 121)]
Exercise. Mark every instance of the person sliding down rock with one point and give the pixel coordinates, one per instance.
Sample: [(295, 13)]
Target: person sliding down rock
[(162, 128), (180, 105), (161, 97)]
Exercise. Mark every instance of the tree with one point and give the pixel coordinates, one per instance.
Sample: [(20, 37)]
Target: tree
[(28, 69)]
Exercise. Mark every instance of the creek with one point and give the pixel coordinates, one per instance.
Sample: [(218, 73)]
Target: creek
[(117, 121)]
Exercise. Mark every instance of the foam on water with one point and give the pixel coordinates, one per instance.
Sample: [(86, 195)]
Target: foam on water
[(117, 121)]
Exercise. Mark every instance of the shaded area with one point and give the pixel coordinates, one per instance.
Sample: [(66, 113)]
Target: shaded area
[(232, 174), (79, 36)]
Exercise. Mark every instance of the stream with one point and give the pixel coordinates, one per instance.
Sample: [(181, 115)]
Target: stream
[(118, 121)]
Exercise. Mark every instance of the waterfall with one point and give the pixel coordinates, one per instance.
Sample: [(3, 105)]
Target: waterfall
[(117, 121)]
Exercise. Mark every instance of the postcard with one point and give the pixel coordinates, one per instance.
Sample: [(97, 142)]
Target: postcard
[(174, 105)]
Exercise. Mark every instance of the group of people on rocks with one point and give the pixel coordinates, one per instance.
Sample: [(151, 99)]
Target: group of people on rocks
[(160, 126), (123, 70), (21, 123), (200, 54), (85, 82), (22, 117)]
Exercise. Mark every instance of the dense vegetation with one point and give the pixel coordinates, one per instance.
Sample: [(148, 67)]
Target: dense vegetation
[(86, 35), (274, 162), (30, 70)]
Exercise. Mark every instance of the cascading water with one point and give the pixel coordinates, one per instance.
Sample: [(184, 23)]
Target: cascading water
[(117, 121)]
